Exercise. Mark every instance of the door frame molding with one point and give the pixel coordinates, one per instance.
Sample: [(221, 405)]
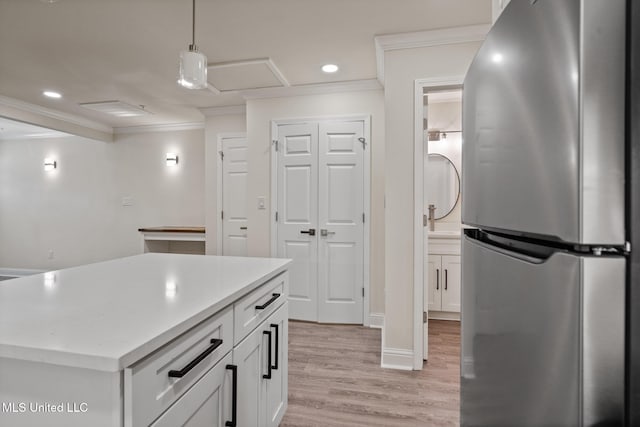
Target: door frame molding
[(420, 236), (219, 185), (273, 201)]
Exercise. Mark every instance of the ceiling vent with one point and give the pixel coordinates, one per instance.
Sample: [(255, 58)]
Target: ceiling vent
[(116, 108)]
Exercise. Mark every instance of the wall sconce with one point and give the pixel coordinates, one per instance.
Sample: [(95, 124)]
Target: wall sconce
[(50, 164), (172, 159)]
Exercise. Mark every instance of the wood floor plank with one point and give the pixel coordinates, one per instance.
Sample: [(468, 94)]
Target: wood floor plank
[(335, 379)]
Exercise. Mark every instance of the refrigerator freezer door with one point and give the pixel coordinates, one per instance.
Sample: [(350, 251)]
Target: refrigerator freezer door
[(543, 123), (542, 340)]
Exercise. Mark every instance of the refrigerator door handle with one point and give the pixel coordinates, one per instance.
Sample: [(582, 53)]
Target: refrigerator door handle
[(507, 252)]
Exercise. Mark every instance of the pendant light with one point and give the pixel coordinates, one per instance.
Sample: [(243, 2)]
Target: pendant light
[(193, 64)]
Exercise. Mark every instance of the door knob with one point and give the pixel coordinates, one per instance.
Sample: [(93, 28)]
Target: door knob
[(324, 232), (310, 232)]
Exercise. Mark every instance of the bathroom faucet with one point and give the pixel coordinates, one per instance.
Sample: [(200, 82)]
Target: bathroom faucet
[(432, 217)]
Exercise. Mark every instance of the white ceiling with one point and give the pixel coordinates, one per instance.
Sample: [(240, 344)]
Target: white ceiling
[(127, 50)]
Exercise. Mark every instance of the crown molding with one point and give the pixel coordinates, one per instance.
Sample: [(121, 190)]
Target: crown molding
[(54, 114), (444, 36), (169, 127), (224, 111), (312, 89)]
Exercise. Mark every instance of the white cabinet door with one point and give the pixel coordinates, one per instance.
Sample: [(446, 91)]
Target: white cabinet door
[(206, 404), (250, 358), (451, 285), (277, 388), (234, 196), (298, 214), (340, 203), (434, 274)]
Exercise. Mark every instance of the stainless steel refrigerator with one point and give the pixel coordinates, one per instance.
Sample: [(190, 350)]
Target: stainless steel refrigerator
[(546, 182)]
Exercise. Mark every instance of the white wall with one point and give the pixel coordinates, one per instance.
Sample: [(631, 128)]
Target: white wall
[(260, 113), (214, 126), (402, 68), (76, 210)]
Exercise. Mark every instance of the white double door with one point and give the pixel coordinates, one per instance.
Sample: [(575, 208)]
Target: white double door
[(320, 225), (233, 154)]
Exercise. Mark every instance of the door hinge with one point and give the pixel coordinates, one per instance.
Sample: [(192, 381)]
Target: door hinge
[(364, 142), (424, 317), (276, 216), (362, 291), (363, 217), (275, 143), (425, 221), (221, 214), (221, 155)]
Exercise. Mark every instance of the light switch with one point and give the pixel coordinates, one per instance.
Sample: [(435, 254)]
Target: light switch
[(127, 201), (261, 202)]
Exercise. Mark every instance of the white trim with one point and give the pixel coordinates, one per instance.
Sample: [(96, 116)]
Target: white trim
[(168, 127), (397, 358), (444, 36), (311, 89), (376, 320), (219, 187), (54, 114), (420, 236), (273, 202), (224, 111)]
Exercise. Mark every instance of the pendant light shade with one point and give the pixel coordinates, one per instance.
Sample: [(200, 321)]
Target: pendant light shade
[(193, 64)]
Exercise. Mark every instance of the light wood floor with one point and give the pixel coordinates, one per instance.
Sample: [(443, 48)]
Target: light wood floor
[(335, 379)]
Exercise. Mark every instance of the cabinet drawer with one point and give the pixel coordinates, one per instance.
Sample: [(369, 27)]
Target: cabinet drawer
[(207, 402), (149, 388), (247, 314)]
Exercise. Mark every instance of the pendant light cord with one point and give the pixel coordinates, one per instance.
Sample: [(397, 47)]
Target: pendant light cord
[(193, 32)]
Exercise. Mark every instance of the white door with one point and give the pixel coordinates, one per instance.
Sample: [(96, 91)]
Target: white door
[(320, 208), (234, 196), (341, 222), (298, 215)]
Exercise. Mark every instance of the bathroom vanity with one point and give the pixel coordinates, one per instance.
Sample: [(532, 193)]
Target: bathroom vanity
[(443, 275), (149, 340)]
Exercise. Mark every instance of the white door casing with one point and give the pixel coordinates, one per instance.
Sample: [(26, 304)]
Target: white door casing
[(297, 208), (324, 162), (233, 215), (340, 185)]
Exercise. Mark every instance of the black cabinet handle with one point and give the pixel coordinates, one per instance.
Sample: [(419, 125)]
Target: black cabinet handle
[(234, 396), (243, 228), (310, 232), (267, 376), (446, 279), (215, 343), (266, 304), (275, 325), (437, 279)]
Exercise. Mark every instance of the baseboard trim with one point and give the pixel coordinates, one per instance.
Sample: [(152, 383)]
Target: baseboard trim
[(397, 358), (376, 320)]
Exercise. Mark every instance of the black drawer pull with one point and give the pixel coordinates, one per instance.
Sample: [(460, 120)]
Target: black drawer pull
[(437, 279), (215, 343), (243, 228), (446, 279), (267, 376), (266, 304), (275, 325), (234, 396)]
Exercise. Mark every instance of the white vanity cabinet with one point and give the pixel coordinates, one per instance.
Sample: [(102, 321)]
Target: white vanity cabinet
[(444, 276)]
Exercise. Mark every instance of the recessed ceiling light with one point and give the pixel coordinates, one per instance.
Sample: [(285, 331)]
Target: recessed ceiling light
[(52, 94), (330, 68)]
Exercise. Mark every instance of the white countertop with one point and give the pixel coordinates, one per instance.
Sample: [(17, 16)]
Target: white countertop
[(107, 315)]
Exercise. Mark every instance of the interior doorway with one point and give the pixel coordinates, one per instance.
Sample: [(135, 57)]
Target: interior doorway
[(438, 146), (320, 170), (232, 195)]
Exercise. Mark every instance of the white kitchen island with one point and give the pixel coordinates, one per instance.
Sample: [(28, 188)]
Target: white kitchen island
[(154, 339)]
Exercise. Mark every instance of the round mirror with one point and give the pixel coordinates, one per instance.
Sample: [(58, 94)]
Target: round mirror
[(443, 185)]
